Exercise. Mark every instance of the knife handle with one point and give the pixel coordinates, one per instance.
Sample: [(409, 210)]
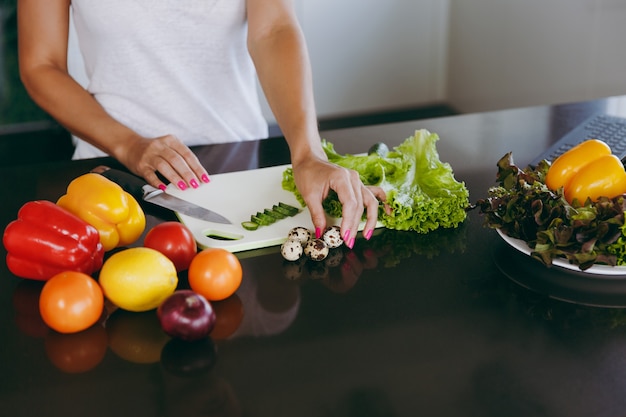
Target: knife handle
[(129, 182)]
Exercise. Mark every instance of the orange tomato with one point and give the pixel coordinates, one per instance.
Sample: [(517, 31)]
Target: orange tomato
[(70, 302), (215, 273)]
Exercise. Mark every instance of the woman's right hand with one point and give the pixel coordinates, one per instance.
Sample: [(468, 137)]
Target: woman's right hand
[(165, 155)]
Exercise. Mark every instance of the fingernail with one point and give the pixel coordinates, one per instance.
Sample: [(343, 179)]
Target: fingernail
[(205, 178), (162, 187), (346, 235), (351, 243), (182, 185), (193, 183), (318, 233), (368, 234)]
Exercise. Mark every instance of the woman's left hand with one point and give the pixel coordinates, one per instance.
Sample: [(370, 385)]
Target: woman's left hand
[(314, 179)]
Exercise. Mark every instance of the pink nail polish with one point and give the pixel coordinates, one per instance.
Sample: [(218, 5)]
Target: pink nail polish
[(318, 233), (351, 243), (205, 178), (162, 187), (346, 235), (193, 183), (368, 234), (182, 185)]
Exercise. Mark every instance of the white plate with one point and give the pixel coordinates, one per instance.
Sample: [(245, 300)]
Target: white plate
[(522, 246)]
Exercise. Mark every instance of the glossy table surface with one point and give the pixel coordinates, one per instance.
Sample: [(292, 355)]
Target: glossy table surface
[(403, 325)]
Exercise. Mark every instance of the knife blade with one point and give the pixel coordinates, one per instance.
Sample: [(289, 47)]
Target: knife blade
[(139, 189)]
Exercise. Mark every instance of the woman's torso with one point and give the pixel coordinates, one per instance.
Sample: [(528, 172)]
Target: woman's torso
[(171, 67)]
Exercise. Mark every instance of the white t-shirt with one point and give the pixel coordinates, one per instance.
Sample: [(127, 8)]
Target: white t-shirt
[(170, 67)]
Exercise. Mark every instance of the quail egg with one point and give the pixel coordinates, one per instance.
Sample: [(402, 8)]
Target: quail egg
[(332, 237), (291, 249), (316, 249), (300, 233)]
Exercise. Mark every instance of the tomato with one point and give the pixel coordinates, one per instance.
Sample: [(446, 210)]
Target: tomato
[(70, 302), (174, 240), (215, 273)]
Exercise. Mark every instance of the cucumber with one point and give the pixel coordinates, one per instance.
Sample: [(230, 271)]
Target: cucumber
[(270, 215), (292, 210), (260, 221), (282, 210), (275, 214), (265, 218), (250, 225)]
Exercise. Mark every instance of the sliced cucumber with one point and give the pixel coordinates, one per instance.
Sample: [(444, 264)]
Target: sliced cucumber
[(275, 214), (265, 218), (250, 225), (260, 221), (282, 210), (270, 215), (292, 210)]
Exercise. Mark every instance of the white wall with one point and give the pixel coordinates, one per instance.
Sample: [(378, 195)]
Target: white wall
[(370, 55), (511, 53)]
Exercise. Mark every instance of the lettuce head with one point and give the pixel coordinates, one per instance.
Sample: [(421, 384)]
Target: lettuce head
[(421, 190)]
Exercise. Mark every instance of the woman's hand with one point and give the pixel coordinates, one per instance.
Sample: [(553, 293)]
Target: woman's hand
[(314, 178), (165, 155)]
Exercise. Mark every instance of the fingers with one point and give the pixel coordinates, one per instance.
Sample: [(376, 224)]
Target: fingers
[(350, 195), (318, 216), (366, 199), (315, 178), (174, 161)]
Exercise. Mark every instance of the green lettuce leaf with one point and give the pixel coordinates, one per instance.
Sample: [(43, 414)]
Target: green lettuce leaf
[(421, 190)]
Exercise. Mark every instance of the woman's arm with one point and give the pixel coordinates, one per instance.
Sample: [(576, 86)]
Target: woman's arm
[(43, 27), (279, 52)]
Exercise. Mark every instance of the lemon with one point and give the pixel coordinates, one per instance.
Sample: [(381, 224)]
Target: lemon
[(138, 279)]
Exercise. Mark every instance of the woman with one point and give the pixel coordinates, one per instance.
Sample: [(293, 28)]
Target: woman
[(165, 75)]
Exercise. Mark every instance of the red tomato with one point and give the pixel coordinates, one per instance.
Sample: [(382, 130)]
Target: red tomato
[(174, 240), (215, 273), (70, 302)]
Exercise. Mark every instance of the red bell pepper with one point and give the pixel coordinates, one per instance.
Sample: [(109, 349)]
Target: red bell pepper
[(47, 239)]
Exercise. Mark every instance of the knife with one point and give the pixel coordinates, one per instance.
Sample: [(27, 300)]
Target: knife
[(139, 189)]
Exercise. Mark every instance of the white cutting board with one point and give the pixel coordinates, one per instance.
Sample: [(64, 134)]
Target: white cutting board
[(236, 196)]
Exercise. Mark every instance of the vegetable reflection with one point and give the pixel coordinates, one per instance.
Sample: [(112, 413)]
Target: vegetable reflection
[(342, 268)]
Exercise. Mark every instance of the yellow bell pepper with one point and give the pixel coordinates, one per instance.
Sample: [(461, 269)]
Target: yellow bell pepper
[(116, 214), (587, 171)]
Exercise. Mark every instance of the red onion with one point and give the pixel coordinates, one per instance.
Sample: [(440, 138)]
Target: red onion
[(186, 315)]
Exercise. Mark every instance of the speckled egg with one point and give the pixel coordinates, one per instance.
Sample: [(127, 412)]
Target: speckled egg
[(291, 249), (316, 249), (332, 237), (300, 233)]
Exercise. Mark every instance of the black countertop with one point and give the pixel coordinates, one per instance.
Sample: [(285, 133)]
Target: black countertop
[(407, 325)]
